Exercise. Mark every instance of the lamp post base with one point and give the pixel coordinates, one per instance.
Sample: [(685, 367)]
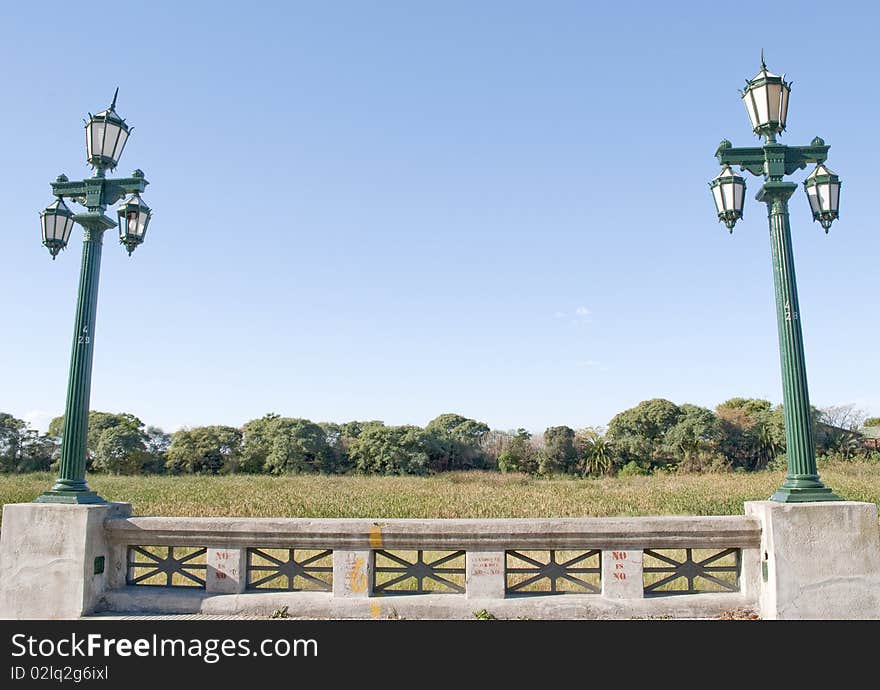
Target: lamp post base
[(788, 494), (70, 497)]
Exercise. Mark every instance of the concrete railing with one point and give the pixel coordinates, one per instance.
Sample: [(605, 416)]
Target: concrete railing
[(810, 560), (567, 567)]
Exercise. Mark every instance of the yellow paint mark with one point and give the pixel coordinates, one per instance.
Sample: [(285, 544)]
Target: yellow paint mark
[(357, 576), (376, 537), (375, 610)]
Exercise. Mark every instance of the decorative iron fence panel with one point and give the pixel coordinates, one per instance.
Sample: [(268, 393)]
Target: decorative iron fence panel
[(290, 570), (691, 571), (419, 571), (166, 566), (553, 571)]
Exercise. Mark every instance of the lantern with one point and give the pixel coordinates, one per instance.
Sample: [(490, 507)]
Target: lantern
[(728, 190), (106, 134), (56, 222), (766, 101), (823, 192), (134, 216)]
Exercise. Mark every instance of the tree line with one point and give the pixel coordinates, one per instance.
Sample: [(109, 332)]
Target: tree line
[(743, 434)]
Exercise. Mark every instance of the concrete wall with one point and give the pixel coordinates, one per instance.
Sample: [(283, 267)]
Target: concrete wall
[(485, 541)]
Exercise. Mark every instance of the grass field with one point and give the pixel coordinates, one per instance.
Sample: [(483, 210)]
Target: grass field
[(471, 494)]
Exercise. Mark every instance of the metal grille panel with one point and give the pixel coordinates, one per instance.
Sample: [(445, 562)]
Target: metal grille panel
[(290, 570), (691, 571), (419, 572), (553, 572), (166, 566)]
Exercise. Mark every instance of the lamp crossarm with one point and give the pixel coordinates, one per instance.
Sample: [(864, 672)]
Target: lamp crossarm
[(772, 160), (99, 191)]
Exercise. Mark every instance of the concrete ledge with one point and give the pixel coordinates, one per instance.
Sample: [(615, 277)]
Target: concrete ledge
[(322, 605), (728, 531)]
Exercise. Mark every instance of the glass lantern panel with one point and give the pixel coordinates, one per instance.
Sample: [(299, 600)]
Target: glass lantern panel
[(774, 97), (835, 196), (132, 224), (813, 198), (824, 196), (68, 226), (111, 136), (48, 229), (55, 227), (719, 203), (783, 107), (96, 142), (123, 138), (143, 218), (739, 192), (750, 109), (727, 191), (760, 94)]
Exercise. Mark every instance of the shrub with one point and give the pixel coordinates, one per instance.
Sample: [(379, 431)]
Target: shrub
[(633, 469)]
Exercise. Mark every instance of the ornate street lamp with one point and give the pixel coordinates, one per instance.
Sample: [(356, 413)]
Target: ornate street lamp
[(134, 216), (728, 190), (106, 135), (56, 222), (823, 192), (766, 101)]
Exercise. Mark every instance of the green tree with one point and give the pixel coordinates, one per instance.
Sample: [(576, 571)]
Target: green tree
[(871, 421), (257, 437), (23, 449), (341, 436), (99, 422), (519, 455), (558, 454), (751, 432), (594, 452), (639, 433), (121, 449), (157, 443), (456, 443), (283, 444), (11, 439), (693, 440), (391, 450), (298, 445), (204, 450)]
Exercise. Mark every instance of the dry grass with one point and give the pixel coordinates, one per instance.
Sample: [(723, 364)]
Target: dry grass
[(472, 494)]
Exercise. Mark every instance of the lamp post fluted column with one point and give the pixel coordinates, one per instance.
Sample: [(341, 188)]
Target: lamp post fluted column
[(802, 480), (766, 100), (106, 135), (71, 485)]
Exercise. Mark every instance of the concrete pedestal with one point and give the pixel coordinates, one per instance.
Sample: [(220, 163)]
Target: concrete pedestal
[(485, 574), (819, 560), (54, 558), (226, 571), (352, 573), (622, 575)]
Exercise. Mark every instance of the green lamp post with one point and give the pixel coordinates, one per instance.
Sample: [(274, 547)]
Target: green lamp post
[(766, 100), (106, 136)]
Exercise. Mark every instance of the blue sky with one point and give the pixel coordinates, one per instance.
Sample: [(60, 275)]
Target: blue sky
[(393, 210)]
